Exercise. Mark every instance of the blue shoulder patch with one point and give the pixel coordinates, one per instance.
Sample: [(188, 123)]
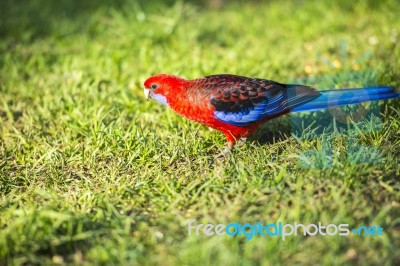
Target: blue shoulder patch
[(260, 111)]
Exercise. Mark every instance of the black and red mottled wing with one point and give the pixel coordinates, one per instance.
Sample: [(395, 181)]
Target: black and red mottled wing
[(241, 100)]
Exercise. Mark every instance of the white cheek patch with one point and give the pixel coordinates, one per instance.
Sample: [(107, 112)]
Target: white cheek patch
[(160, 98)]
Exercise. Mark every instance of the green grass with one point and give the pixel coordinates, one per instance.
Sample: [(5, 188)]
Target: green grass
[(91, 173)]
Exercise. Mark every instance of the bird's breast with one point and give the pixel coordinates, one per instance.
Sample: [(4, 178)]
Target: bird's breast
[(197, 112)]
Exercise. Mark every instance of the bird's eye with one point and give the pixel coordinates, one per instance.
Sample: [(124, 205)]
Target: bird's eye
[(154, 86)]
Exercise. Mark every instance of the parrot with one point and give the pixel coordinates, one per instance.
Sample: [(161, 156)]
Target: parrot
[(237, 105)]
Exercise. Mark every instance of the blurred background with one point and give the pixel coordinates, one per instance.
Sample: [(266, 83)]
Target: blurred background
[(192, 38)]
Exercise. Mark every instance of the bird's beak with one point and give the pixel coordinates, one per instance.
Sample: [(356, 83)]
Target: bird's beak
[(147, 93)]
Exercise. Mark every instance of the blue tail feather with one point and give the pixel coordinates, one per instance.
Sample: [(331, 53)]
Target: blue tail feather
[(333, 98)]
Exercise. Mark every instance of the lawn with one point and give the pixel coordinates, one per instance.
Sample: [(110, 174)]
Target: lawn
[(92, 173)]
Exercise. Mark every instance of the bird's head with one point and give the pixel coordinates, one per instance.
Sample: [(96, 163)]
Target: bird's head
[(163, 87)]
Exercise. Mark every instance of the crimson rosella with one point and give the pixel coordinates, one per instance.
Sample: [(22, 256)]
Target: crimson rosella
[(237, 105)]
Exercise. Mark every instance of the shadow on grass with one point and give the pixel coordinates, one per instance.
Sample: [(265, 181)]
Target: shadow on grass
[(271, 132)]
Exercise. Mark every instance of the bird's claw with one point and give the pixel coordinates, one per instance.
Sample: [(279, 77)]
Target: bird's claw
[(224, 154), (241, 142), (227, 151)]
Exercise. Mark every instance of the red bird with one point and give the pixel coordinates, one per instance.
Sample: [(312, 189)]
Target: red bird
[(237, 105)]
